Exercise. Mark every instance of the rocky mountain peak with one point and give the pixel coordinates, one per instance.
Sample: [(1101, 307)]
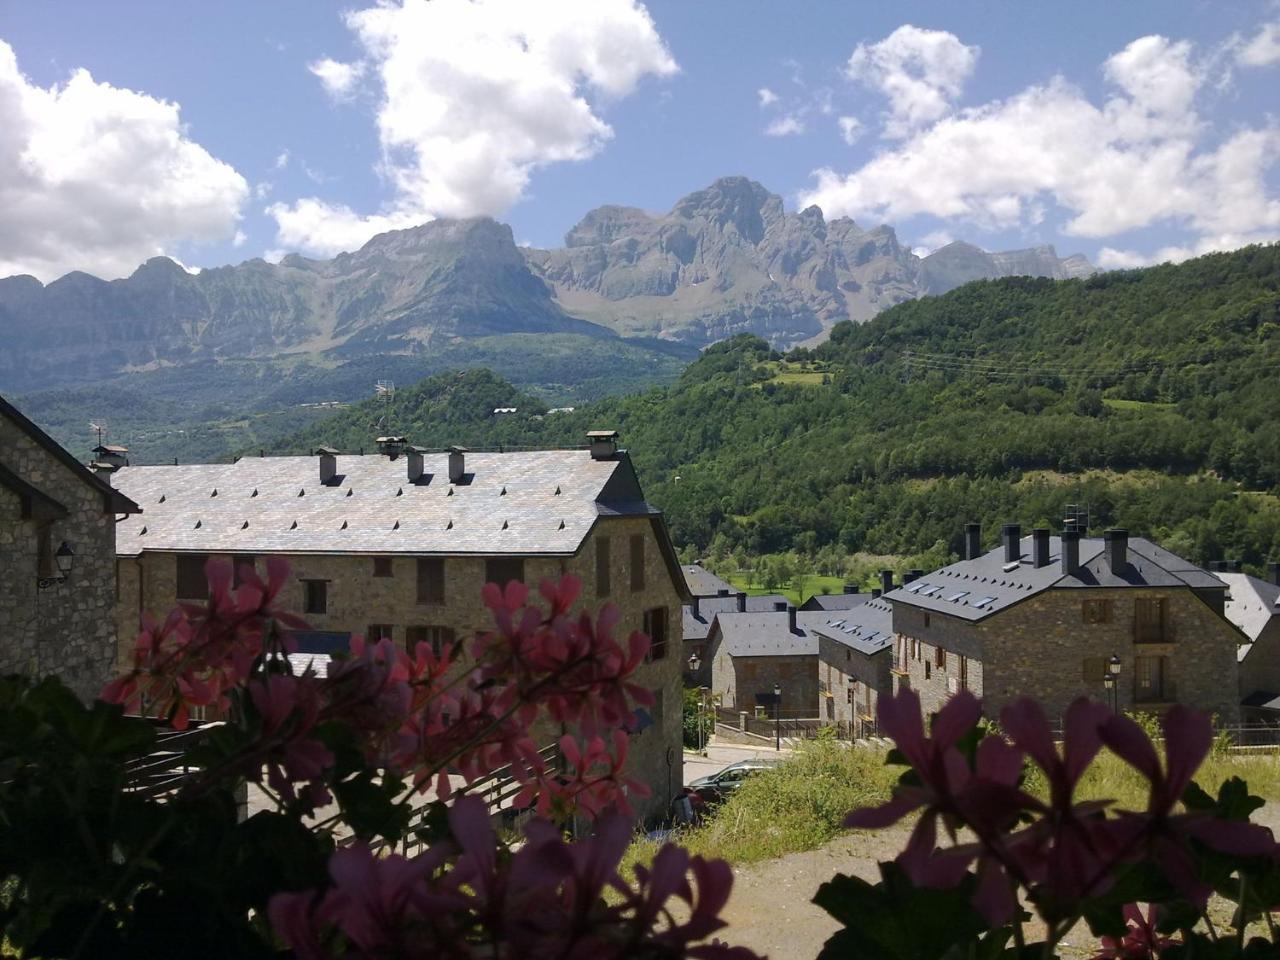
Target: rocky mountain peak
[(737, 201)]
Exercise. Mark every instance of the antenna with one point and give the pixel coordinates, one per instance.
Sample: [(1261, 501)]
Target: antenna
[(100, 426), (385, 392)]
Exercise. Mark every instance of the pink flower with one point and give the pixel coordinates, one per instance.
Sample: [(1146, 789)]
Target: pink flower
[(1140, 942)]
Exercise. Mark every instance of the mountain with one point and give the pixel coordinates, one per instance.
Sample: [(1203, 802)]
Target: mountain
[(725, 260), (1146, 395), (407, 292), (729, 259)]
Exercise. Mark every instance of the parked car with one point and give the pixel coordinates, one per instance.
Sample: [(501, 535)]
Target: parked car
[(718, 787)]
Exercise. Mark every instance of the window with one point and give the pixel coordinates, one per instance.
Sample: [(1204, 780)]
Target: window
[(637, 562), (317, 596), (382, 566), (44, 553), (926, 618), (749, 670), (602, 567), (941, 658), (192, 584), (655, 625), (658, 710), (848, 695), (927, 671), (848, 654), (1150, 680), (1095, 669), (438, 637), (502, 570), (1148, 621), (431, 580), (239, 561), (378, 631), (964, 673), (1096, 611)]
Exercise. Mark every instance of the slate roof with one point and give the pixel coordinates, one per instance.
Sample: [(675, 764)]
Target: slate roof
[(697, 628), (867, 628), (703, 583), (526, 503), (1251, 605), (768, 634), (835, 601), (976, 589)]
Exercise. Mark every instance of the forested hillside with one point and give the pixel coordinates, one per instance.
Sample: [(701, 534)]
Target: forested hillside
[(1150, 396)]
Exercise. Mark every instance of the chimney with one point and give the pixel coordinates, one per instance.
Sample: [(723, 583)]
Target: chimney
[(779, 606), (1274, 569), (1040, 546), (457, 464), (972, 540), (886, 581), (875, 593), (1217, 566), (916, 574), (103, 471), (850, 588), (1117, 547), (604, 444), (328, 465), (722, 592), (1011, 535), (390, 446), (415, 465), (1237, 566), (742, 603), (696, 612), (791, 618), (1070, 551)]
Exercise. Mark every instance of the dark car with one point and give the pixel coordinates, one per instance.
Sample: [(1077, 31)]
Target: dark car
[(719, 786)]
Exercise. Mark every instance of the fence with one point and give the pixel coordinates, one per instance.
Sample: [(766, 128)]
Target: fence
[(169, 766)]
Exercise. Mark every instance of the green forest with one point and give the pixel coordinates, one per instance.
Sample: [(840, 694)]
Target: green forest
[(1147, 396)]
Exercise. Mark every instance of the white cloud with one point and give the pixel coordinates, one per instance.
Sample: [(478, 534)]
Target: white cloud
[(239, 239), (931, 242), (787, 125), (850, 129), (1263, 50), (921, 72), (339, 79), (99, 178), (282, 160), (766, 96), (478, 94), (1139, 159)]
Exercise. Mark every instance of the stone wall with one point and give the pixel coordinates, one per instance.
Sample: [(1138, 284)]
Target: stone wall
[(67, 629), (1260, 669), (357, 599), (1044, 648), (743, 682)]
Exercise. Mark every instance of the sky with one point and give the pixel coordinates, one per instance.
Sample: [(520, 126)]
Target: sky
[(1133, 132)]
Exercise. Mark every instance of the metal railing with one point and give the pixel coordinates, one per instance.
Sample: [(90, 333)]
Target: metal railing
[(168, 767)]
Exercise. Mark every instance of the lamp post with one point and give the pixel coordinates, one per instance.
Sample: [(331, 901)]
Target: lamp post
[(777, 715), (694, 663), (1112, 681), (64, 559)]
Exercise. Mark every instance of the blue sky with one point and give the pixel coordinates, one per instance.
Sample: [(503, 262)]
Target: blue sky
[(1132, 132)]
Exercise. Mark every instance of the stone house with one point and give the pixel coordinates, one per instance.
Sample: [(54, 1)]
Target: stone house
[(855, 662), (1042, 616), (833, 602), (1253, 605), (703, 583), (700, 614), (750, 653), (57, 560), (399, 544)]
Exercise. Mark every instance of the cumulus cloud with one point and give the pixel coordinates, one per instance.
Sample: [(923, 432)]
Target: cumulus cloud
[(1263, 50), (921, 72), (1140, 158), (99, 178), (766, 96), (787, 125), (850, 129), (475, 95), (338, 79)]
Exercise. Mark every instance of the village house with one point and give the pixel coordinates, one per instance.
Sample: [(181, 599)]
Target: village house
[(1253, 605), (831, 602), (700, 614), (754, 653), (1047, 616), (855, 660), (57, 560), (399, 544)]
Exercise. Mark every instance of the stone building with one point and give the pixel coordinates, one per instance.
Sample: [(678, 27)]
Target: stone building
[(750, 653), (703, 583), (855, 662), (399, 545), (57, 560), (1042, 616), (1253, 605), (701, 613), (833, 602)]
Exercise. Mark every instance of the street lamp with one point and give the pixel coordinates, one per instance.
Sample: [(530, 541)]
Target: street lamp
[(64, 559), (694, 663), (777, 714), (1111, 681)]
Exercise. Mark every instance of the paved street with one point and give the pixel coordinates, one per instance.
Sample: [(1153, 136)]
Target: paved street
[(720, 755)]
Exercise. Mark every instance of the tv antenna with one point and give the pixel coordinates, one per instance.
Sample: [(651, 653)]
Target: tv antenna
[(385, 392), (100, 426)]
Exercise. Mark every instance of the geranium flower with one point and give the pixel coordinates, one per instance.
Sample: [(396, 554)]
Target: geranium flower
[(1141, 940)]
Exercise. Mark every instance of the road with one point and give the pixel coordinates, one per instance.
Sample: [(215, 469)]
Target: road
[(720, 755)]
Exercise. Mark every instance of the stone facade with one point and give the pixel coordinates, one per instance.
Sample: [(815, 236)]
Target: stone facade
[(745, 683), (1045, 647), (68, 628), (1260, 668), (357, 598), (850, 683)]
